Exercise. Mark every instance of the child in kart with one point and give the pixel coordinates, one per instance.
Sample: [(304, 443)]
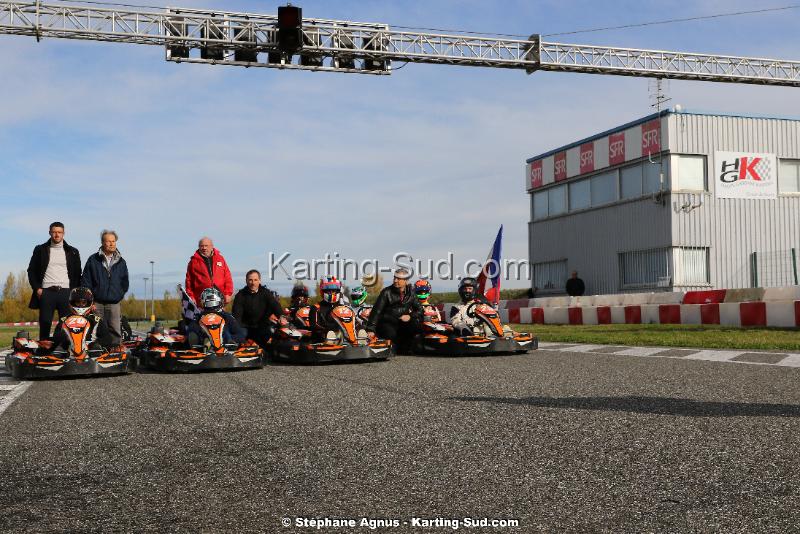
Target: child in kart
[(319, 317), (212, 301), (430, 314), (459, 318), (358, 295), (299, 300), (81, 302)]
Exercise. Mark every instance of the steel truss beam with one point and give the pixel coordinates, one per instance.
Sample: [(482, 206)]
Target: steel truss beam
[(344, 46)]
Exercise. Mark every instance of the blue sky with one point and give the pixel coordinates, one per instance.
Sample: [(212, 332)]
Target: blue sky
[(427, 160)]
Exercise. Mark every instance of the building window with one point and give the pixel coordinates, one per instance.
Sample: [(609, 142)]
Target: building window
[(631, 181), (691, 266), (540, 205), (789, 176), (550, 275), (645, 268), (604, 188), (557, 200), (690, 173), (579, 195), (652, 181)]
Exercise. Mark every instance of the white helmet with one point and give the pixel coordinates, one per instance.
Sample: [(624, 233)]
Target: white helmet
[(211, 299)]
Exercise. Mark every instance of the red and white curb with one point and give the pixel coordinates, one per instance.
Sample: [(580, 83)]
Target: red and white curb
[(771, 359), (10, 389)]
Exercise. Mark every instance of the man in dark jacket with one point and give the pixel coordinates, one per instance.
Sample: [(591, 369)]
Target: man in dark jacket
[(253, 306), (397, 313), (54, 269), (575, 286), (106, 275)]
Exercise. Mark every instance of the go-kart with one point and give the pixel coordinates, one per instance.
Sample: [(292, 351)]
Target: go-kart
[(41, 359), (296, 345), (130, 339), (171, 351), (488, 337)]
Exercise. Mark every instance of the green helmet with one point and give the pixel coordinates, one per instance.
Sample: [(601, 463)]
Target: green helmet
[(358, 295)]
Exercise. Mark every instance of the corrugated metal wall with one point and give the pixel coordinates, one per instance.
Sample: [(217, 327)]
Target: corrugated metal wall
[(735, 228), (732, 229), (590, 241)]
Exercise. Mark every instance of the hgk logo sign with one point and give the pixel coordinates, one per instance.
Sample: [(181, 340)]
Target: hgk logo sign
[(560, 166), (587, 157), (537, 174), (741, 169), (616, 148), (745, 175)]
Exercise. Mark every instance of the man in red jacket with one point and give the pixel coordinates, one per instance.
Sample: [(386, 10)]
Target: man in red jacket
[(207, 268)]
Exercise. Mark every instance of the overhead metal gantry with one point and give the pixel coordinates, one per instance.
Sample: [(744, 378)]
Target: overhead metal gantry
[(251, 40)]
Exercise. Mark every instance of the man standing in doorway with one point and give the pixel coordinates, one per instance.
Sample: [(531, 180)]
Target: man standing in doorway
[(207, 268), (54, 269), (106, 274), (575, 286)]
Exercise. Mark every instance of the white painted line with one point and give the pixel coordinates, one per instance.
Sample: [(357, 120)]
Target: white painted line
[(585, 348), (640, 351), (8, 387), (7, 400), (792, 360), (714, 355), (562, 346)]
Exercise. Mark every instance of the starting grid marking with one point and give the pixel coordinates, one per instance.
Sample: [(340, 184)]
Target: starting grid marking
[(10, 389), (772, 359)]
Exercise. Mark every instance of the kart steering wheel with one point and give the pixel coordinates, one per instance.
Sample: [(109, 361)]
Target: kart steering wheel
[(470, 311)]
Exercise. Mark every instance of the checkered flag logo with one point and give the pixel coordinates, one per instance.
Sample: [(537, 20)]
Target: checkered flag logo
[(190, 310), (764, 169)]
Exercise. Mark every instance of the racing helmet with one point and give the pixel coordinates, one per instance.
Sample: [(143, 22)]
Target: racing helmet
[(331, 289), (81, 300), (358, 295), (300, 294), (467, 289), (211, 300), (422, 288)]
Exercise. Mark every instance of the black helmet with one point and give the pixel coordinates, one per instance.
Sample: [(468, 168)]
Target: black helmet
[(300, 290), (467, 289), (81, 300)]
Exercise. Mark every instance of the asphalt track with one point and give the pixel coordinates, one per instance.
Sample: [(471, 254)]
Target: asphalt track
[(555, 440)]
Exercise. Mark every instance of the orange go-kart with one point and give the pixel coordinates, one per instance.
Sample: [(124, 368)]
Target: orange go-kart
[(171, 351), (489, 336), (40, 359), (344, 343)]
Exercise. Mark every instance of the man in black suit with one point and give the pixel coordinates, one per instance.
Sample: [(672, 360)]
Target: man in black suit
[(54, 269)]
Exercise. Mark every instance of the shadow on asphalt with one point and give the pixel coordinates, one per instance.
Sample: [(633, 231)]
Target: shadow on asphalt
[(649, 405)]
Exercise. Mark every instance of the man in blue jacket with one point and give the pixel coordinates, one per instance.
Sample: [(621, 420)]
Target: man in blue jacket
[(106, 274)]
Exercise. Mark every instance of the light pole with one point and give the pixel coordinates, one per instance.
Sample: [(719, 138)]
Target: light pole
[(144, 300), (152, 292)]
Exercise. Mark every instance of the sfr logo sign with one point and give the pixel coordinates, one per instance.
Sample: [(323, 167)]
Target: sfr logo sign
[(616, 148), (587, 157), (537, 175), (560, 166), (651, 137)]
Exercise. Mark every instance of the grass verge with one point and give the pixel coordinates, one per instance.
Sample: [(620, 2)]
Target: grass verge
[(666, 335)]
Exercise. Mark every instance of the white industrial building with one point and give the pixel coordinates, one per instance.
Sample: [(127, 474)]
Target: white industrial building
[(673, 201)]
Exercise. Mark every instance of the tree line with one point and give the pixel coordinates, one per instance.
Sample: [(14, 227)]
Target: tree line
[(17, 295)]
